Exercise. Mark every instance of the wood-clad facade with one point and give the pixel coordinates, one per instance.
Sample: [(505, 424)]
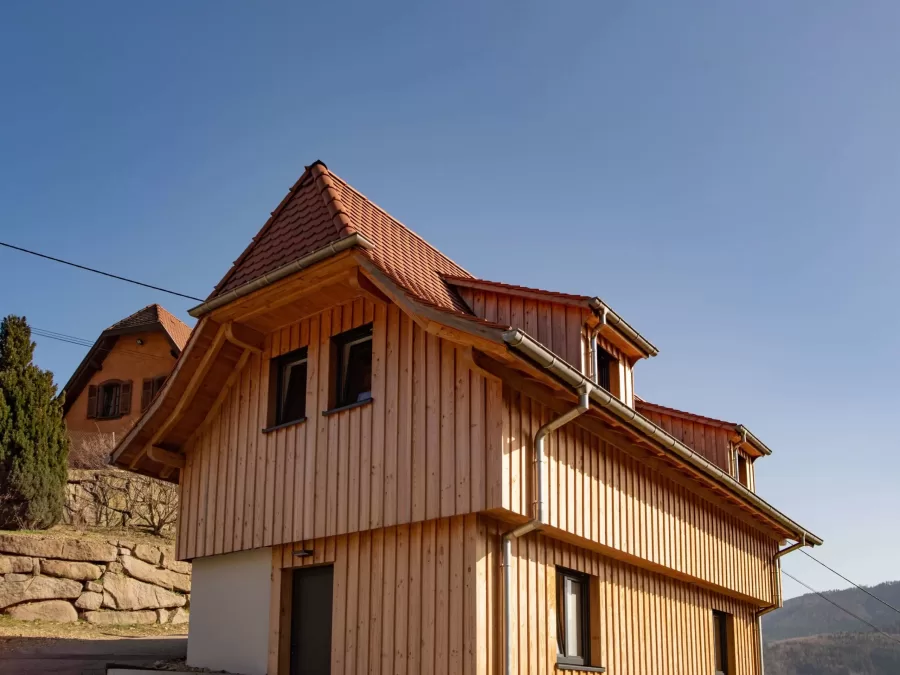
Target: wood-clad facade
[(407, 491), (416, 452)]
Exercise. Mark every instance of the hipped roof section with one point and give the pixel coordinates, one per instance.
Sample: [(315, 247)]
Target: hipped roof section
[(321, 210), (148, 319)]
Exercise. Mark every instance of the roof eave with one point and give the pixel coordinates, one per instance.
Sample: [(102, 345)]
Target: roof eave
[(521, 342), (607, 315), (354, 240)]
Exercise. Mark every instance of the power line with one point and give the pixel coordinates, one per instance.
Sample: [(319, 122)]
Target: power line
[(95, 271), (871, 595), (847, 611), (81, 342)]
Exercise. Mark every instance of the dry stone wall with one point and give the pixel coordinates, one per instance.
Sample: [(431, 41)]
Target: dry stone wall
[(114, 582)]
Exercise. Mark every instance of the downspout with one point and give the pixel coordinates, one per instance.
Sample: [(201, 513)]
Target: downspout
[(539, 520), (776, 588)]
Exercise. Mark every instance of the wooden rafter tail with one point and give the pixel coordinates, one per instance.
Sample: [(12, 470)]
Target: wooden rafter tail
[(166, 457), (245, 337)]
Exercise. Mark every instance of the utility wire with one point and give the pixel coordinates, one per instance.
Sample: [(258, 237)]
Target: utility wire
[(847, 611), (81, 342), (106, 274), (871, 595)]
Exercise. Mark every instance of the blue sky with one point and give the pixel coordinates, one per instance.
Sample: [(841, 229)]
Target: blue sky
[(723, 175)]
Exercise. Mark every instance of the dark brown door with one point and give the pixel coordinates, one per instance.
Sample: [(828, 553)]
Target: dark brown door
[(311, 621)]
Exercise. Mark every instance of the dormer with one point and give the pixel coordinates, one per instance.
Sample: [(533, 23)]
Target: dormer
[(730, 446), (580, 329)]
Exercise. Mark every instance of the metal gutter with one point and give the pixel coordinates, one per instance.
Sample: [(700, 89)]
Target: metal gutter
[(533, 350), (609, 317), (748, 437), (538, 521), (348, 242)]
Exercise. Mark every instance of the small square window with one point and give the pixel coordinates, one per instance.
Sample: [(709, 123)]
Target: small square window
[(572, 618), (353, 366), (290, 388)]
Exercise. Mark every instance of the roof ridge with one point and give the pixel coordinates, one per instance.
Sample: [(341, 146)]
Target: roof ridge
[(408, 229), (329, 193), (273, 216)]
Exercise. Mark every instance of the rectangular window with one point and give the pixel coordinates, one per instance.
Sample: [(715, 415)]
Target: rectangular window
[(352, 360), (289, 371), (721, 627), (743, 472), (572, 618), (109, 400), (604, 366), (150, 388)]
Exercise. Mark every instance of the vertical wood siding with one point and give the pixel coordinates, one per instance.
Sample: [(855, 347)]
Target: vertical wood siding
[(598, 492), (404, 598), (417, 452), (555, 325), (645, 623), (711, 441)]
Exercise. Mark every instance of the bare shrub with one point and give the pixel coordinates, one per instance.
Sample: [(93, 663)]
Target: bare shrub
[(90, 450)]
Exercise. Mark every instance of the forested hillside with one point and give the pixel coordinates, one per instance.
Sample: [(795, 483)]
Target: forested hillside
[(811, 615)]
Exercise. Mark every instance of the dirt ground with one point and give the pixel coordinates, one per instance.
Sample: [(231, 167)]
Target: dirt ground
[(97, 534)]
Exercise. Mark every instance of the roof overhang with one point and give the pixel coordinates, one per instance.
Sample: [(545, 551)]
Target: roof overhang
[(533, 351), (610, 324)]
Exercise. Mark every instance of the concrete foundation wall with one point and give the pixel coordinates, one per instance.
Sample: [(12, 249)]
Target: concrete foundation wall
[(229, 627)]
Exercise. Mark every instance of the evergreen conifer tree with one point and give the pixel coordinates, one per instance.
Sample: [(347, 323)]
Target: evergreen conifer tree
[(34, 445)]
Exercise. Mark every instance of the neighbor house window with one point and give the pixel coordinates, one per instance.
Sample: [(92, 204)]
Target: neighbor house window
[(150, 389), (352, 353), (109, 399), (573, 618), (721, 642), (289, 372)]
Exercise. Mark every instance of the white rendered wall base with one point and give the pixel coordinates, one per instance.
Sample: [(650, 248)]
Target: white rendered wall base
[(229, 628)]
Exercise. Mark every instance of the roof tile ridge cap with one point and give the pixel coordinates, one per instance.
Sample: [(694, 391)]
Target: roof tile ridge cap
[(412, 232), (333, 202), (273, 216)]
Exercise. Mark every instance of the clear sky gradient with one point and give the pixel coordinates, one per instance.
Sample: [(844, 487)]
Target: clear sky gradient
[(724, 175)]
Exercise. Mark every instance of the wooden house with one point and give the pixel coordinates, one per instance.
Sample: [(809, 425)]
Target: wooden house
[(388, 465), (121, 373)]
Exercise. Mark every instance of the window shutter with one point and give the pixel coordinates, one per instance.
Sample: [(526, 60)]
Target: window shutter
[(146, 394), (92, 401), (125, 398)]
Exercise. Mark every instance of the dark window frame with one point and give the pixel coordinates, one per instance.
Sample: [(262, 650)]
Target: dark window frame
[(604, 368), (563, 575), (118, 409), (279, 365), (341, 345), (742, 469), (720, 639)]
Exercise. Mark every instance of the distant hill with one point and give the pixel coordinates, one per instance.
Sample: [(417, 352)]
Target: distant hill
[(809, 636), (842, 654), (810, 615)]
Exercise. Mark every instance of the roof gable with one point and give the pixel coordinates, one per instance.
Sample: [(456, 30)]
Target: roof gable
[(321, 209), (150, 318)]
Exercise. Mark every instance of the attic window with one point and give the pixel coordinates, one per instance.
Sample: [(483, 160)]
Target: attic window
[(352, 359), (604, 365), (289, 373), (109, 399), (742, 469)]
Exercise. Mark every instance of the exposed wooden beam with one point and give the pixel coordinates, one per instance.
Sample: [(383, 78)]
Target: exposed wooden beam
[(223, 393), (165, 457), (362, 283), (245, 337)]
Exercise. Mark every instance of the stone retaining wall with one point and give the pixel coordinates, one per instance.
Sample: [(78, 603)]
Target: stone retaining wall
[(102, 582)]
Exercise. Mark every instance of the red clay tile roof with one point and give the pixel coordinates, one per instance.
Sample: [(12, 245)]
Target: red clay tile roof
[(320, 209), (153, 314)]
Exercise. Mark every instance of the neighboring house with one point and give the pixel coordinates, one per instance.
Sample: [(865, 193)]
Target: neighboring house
[(122, 372), (406, 469)]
